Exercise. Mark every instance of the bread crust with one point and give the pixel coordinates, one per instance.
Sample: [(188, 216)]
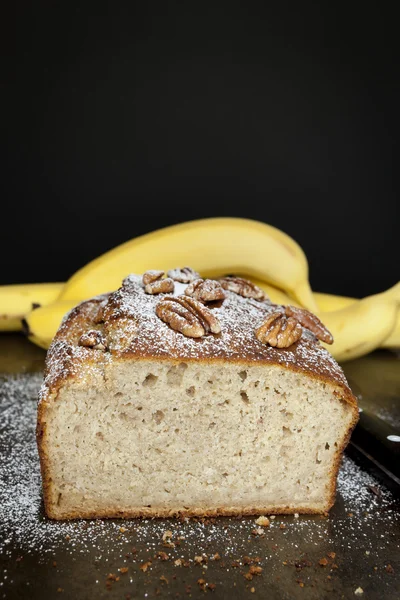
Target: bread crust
[(127, 320), (150, 513)]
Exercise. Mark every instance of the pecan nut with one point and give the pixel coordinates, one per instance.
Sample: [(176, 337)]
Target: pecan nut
[(205, 291), (188, 316), (151, 276), (93, 339), (161, 286), (311, 322), (185, 275), (279, 330), (154, 284), (243, 287)]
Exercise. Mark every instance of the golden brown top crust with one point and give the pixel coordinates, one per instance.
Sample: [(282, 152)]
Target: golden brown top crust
[(128, 323)]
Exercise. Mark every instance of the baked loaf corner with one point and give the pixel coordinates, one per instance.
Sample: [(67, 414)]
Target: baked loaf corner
[(192, 398)]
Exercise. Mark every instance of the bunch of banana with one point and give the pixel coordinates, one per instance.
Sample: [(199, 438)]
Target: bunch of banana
[(214, 247), (16, 301)]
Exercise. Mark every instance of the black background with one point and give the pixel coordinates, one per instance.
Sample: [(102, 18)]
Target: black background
[(119, 121)]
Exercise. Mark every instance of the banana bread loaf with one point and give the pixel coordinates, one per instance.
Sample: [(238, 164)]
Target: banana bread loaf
[(176, 395)]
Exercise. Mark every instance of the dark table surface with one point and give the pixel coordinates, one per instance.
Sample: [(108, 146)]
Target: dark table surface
[(352, 553)]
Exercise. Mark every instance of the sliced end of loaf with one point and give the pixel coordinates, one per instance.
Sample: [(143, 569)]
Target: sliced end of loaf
[(166, 437)]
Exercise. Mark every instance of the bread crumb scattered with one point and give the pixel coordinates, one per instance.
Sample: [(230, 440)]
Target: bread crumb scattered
[(263, 521), (217, 556), (123, 569), (178, 562), (389, 569), (198, 559), (202, 583), (249, 560), (323, 562), (359, 591), (255, 570)]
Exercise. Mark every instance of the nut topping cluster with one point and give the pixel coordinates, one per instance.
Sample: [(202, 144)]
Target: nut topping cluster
[(185, 275), (187, 315), (284, 326), (207, 290), (155, 284), (93, 339), (243, 287)]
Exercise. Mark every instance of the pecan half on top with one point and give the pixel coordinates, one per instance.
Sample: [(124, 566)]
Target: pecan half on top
[(279, 330), (93, 339), (311, 322), (155, 284), (207, 290), (243, 287), (185, 275), (188, 316)]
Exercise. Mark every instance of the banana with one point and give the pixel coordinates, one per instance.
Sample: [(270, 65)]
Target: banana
[(42, 323), (393, 341), (213, 247), (274, 294), (363, 325), (16, 301), (329, 302)]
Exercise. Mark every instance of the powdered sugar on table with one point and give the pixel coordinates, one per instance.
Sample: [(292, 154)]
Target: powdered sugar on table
[(23, 524)]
